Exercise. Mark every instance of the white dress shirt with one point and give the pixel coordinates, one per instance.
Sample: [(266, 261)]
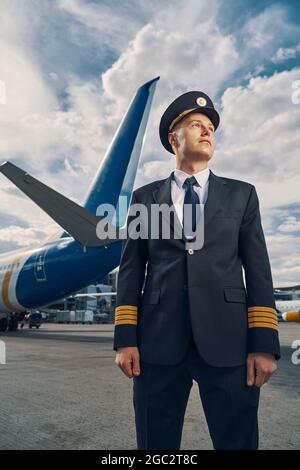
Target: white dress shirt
[(178, 192)]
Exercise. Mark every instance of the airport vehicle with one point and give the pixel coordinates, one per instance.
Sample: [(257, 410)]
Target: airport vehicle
[(75, 316), (35, 320), (101, 317), (75, 256)]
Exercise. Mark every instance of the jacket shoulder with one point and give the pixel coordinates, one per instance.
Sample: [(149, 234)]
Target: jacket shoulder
[(148, 188), (240, 183), (240, 189)]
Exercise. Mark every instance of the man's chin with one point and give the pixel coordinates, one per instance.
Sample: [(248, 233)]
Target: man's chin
[(199, 155)]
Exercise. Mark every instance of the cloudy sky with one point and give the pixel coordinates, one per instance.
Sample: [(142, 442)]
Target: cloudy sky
[(70, 68)]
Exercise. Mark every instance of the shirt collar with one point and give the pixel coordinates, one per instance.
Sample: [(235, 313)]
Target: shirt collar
[(201, 177)]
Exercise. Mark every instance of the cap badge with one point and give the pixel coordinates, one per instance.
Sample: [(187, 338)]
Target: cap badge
[(201, 101)]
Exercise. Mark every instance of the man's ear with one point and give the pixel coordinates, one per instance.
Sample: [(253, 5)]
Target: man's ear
[(172, 138)]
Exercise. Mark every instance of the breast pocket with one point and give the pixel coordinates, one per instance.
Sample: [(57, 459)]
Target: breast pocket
[(235, 294)]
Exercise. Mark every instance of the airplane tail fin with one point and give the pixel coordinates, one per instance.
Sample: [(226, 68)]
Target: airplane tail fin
[(115, 176), (117, 171)]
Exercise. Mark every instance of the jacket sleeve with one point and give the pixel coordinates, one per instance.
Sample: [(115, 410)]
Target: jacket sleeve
[(129, 286), (261, 308)]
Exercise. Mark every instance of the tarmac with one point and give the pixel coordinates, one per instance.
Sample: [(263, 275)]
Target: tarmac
[(61, 389)]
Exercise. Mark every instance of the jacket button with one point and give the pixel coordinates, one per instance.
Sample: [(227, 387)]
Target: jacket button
[(190, 251)]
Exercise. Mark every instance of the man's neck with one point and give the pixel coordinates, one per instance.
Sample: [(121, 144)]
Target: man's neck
[(191, 168)]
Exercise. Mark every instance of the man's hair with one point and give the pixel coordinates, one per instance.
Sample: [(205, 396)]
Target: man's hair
[(176, 127)]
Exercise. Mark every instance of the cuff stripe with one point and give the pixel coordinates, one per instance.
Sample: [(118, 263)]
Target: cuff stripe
[(262, 317), (126, 315), (122, 317), (263, 314), (265, 320), (125, 322), (262, 309), (132, 308), (120, 314), (262, 325)]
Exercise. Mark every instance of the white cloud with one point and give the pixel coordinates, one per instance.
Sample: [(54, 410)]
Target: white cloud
[(102, 22), (285, 53), (253, 73), (260, 140), (269, 28), (260, 143), (21, 236), (186, 50), (284, 258), (290, 224), (183, 45), (60, 147)]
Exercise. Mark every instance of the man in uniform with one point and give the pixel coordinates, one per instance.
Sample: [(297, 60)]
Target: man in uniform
[(185, 314)]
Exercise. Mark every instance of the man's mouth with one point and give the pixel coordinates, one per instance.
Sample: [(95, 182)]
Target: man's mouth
[(207, 141)]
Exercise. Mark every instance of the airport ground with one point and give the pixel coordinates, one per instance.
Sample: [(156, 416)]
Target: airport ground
[(61, 389)]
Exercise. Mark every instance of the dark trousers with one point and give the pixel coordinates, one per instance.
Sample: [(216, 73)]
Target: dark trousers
[(160, 396)]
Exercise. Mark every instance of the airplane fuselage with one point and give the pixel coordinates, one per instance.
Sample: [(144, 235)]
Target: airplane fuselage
[(39, 276)]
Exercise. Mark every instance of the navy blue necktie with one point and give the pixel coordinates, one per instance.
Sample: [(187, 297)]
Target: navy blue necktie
[(191, 197)]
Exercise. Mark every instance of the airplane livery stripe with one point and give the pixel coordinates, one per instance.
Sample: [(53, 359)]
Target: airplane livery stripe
[(6, 282)]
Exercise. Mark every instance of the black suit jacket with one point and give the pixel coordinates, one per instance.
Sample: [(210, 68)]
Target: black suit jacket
[(157, 277)]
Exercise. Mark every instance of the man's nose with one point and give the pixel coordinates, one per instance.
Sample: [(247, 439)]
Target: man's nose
[(204, 130)]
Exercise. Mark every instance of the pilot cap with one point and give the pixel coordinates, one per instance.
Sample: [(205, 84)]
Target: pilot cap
[(190, 102)]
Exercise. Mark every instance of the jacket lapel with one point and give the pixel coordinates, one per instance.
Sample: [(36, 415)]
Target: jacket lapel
[(162, 195), (217, 193)]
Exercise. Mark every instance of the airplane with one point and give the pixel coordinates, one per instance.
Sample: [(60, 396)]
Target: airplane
[(288, 310), (74, 257), (94, 295)]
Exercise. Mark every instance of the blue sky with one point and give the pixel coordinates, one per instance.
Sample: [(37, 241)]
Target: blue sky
[(71, 68)]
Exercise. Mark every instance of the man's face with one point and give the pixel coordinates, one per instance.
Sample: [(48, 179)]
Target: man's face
[(194, 137)]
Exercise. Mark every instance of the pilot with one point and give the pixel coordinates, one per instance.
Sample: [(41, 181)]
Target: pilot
[(195, 318)]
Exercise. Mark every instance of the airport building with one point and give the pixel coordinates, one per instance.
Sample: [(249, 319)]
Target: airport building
[(88, 299), (103, 306), (287, 293)]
